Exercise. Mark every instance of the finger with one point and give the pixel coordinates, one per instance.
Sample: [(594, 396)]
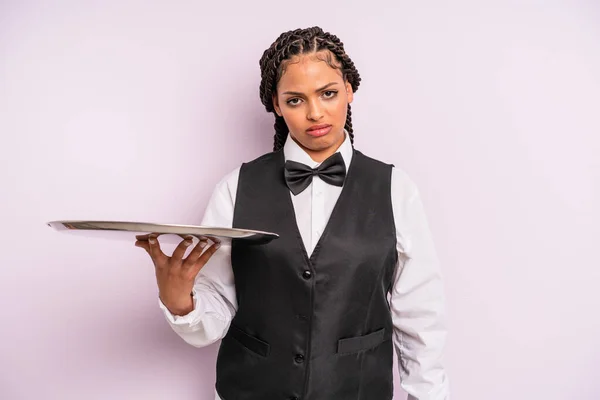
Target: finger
[(144, 245), (214, 239), (147, 236), (181, 248), (203, 259), (195, 253), (155, 251)]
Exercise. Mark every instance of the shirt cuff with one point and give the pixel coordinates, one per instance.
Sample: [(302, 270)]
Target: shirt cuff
[(187, 319)]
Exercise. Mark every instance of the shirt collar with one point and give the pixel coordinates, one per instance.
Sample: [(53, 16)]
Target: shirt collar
[(293, 152)]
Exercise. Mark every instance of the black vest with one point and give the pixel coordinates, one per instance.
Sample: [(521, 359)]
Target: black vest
[(318, 327)]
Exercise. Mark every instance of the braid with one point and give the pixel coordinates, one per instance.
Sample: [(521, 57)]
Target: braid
[(348, 126), (296, 42), (280, 133)]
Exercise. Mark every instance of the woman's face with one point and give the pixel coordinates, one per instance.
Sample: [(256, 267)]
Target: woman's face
[(311, 95)]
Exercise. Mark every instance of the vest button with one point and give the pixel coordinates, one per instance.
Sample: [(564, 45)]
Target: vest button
[(299, 358), (306, 274)]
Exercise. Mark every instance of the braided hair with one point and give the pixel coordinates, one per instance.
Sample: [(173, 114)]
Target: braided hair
[(297, 42)]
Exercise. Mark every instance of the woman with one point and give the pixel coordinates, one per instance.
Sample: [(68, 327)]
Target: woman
[(316, 313)]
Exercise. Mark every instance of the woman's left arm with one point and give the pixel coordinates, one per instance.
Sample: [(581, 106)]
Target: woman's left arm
[(417, 297)]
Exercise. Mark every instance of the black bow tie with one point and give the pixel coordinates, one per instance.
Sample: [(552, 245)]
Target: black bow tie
[(299, 176)]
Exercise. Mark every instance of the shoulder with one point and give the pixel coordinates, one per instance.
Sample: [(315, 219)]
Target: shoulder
[(404, 187), (402, 183), (220, 208), (228, 184), (400, 178), (262, 161), (370, 161)]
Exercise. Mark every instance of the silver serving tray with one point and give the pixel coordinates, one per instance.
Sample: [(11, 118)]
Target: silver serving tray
[(171, 233)]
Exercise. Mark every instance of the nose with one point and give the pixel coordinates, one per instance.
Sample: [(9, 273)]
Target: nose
[(315, 111)]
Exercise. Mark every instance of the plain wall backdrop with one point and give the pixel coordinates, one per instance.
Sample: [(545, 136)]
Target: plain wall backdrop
[(133, 110)]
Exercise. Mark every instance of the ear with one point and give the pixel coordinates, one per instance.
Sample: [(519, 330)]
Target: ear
[(349, 92), (276, 104)]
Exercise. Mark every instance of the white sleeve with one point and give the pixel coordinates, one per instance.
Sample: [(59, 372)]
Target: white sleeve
[(214, 295), (417, 298)]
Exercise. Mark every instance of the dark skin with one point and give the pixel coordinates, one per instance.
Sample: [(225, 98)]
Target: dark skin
[(309, 93), (175, 275)]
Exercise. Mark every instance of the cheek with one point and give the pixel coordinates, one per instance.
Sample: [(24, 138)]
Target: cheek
[(339, 102), (292, 115), (338, 107)]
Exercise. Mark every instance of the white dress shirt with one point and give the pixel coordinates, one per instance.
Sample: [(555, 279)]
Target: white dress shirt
[(416, 298)]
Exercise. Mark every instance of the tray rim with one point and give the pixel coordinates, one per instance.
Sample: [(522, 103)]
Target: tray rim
[(164, 228)]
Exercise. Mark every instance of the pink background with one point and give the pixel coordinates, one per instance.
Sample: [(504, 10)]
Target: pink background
[(130, 110)]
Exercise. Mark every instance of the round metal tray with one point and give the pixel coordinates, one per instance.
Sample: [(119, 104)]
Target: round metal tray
[(141, 230)]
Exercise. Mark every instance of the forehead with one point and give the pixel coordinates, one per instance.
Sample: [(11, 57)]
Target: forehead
[(307, 72)]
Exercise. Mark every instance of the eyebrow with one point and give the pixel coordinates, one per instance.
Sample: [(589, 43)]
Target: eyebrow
[(318, 90)]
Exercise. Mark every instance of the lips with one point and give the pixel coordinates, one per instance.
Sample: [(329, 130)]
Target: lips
[(318, 130), (317, 127)]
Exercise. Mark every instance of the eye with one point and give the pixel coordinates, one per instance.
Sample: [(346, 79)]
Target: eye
[(293, 102), (330, 94)]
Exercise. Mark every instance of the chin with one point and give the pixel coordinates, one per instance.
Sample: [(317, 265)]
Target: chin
[(318, 143)]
